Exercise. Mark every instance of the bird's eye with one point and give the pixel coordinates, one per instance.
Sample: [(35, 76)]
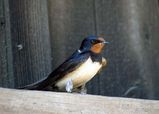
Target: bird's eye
[(93, 41)]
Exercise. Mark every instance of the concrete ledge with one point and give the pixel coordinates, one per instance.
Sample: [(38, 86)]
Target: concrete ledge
[(37, 102)]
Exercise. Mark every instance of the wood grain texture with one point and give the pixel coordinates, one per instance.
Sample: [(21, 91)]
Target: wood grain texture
[(36, 34), (131, 27), (3, 58), (151, 33), (30, 40), (37, 102), (6, 67), (70, 22)]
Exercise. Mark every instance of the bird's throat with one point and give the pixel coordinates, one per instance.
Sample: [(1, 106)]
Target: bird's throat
[(97, 48)]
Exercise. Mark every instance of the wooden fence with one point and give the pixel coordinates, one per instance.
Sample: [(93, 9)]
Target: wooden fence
[(37, 35), (37, 102)]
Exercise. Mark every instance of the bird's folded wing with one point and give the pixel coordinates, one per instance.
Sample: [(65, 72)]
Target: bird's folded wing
[(69, 65)]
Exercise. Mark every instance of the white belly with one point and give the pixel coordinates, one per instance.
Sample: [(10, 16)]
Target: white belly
[(81, 75)]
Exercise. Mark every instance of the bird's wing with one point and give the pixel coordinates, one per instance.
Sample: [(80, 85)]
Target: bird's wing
[(69, 65)]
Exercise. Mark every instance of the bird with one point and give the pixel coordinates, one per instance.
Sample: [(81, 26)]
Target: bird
[(73, 74)]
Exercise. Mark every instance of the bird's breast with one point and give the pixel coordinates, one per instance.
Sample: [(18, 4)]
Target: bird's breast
[(81, 75)]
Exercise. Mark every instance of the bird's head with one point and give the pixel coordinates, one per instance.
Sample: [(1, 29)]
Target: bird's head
[(93, 43)]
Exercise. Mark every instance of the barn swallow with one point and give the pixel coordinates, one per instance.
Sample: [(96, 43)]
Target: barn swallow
[(77, 70)]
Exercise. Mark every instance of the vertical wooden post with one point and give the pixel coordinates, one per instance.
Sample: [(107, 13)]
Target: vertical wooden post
[(133, 26), (70, 22), (6, 68), (123, 23), (130, 26), (151, 34), (30, 40)]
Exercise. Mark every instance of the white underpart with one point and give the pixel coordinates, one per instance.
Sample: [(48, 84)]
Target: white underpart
[(69, 86), (81, 75)]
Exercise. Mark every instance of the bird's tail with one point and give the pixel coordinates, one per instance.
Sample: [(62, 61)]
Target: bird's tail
[(34, 86)]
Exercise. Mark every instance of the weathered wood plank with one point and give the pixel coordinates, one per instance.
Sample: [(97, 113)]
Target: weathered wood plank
[(132, 28), (70, 22), (6, 71), (30, 40), (37, 102), (151, 33), (132, 57), (3, 61)]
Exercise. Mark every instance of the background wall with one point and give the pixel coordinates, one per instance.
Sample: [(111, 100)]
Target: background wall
[(38, 35)]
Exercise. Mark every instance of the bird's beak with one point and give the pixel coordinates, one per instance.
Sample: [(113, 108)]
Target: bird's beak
[(105, 42)]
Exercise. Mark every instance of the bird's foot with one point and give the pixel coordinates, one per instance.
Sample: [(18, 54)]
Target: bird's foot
[(83, 90), (80, 90), (69, 86)]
